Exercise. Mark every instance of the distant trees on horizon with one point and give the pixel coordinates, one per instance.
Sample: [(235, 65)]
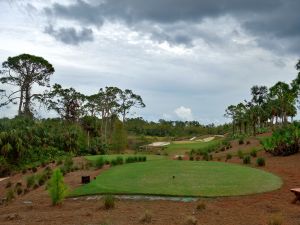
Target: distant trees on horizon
[(268, 106)]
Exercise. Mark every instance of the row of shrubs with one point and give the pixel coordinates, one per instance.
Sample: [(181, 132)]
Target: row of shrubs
[(119, 161)]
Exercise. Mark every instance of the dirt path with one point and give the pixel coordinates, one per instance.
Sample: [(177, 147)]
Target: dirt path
[(247, 210)]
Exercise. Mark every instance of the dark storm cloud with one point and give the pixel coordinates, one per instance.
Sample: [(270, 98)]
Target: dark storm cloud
[(70, 35), (275, 20)]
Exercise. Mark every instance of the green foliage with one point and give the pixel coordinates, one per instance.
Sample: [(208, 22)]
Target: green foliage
[(10, 195), (57, 188), (228, 156), (30, 181), (119, 137), (261, 161), (240, 154), (247, 159), (109, 202), (100, 163), (284, 141), (253, 153), (4, 167)]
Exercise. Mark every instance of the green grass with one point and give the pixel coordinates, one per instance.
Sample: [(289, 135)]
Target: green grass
[(180, 148), (94, 158), (207, 179)]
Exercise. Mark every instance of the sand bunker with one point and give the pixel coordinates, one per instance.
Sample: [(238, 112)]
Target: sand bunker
[(159, 144)]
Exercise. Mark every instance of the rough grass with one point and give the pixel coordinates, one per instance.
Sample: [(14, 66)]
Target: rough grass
[(207, 179), (180, 148)]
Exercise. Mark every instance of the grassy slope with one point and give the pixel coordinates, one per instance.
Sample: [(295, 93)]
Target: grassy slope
[(181, 148), (191, 179)]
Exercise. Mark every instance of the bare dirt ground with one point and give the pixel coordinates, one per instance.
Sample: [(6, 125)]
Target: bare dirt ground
[(244, 210)]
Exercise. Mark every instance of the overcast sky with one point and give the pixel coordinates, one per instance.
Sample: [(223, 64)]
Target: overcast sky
[(188, 59)]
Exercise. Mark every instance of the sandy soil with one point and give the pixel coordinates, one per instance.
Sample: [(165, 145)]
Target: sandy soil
[(246, 210)]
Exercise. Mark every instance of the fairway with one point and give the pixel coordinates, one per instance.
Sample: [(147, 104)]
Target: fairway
[(192, 178)]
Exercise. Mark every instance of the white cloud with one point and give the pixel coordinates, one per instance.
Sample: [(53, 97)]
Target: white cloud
[(184, 113)]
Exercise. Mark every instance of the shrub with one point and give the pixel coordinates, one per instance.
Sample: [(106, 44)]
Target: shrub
[(247, 159), (240, 154), (30, 181), (228, 156), (10, 195), (48, 172), (201, 206), (207, 156), (191, 220), (24, 171), (248, 142), (241, 141), (34, 169), (4, 167), (100, 162), (192, 158), (275, 220), (146, 218), (41, 179), (261, 162), (19, 190), (57, 188), (8, 184), (253, 153), (109, 202), (68, 164), (119, 160), (59, 162), (113, 162), (179, 157)]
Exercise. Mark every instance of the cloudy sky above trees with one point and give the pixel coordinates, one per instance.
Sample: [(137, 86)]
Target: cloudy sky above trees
[(188, 59)]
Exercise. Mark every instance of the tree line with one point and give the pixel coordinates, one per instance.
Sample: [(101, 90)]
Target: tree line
[(268, 107)]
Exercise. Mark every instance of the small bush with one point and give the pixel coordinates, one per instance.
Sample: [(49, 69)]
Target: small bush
[(113, 162), (68, 164), (207, 157), (253, 153), (191, 158), (24, 171), (228, 156), (261, 162), (34, 169), (30, 181), (146, 218), (179, 157), (275, 220), (19, 190), (248, 142), (191, 220), (240, 154), (57, 188), (119, 160), (10, 195), (8, 184), (59, 162), (48, 172), (109, 202), (241, 141), (247, 159), (100, 163), (201, 206)]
